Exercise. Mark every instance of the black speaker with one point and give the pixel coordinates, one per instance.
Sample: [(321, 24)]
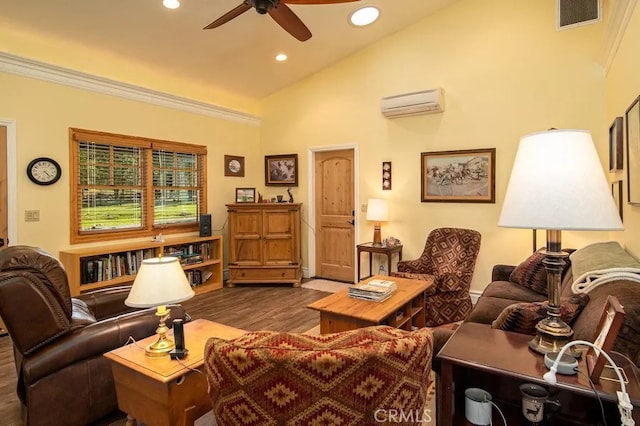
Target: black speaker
[(205, 225), (178, 334)]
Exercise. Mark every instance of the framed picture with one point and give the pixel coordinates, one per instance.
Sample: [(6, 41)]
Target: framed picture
[(632, 118), (233, 165), (281, 170), (245, 195), (465, 176), (616, 191), (605, 334), (615, 144), (386, 175)]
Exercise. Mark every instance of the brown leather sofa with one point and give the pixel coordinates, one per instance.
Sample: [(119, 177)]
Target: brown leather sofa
[(59, 341)]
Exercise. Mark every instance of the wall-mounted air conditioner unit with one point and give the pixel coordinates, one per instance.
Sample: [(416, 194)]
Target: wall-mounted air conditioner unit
[(425, 102)]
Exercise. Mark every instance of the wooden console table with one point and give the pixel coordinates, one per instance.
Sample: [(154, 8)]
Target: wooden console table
[(370, 248), (499, 361), (162, 391), (404, 309)]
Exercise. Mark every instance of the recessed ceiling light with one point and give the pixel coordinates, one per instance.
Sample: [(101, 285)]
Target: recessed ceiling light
[(281, 57), (171, 4), (364, 16)]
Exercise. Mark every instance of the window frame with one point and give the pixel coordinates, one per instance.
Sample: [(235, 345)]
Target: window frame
[(148, 145)]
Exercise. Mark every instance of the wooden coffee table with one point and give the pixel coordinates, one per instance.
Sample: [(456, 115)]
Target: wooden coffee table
[(162, 391), (404, 309)]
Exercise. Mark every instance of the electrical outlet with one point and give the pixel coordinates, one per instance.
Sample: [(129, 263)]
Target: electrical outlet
[(32, 215)]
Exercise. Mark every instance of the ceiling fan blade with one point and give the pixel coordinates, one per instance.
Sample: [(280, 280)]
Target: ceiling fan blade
[(290, 22), (239, 10), (317, 1)]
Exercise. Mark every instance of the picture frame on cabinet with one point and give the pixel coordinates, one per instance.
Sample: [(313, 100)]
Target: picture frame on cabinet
[(233, 165), (462, 176), (604, 336), (281, 170), (245, 195), (632, 120), (616, 144)]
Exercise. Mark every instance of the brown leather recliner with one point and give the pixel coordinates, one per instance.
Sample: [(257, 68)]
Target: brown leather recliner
[(59, 341)]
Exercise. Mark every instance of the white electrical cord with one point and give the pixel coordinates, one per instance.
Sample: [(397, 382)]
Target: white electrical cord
[(624, 404)]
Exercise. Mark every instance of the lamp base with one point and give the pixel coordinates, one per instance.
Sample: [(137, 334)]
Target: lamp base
[(160, 347), (552, 334), (377, 238)]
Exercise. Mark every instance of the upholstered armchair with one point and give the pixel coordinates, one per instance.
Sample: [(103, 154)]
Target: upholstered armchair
[(59, 341), (367, 376), (450, 257)]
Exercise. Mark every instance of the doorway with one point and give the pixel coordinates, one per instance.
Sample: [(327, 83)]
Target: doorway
[(334, 198)]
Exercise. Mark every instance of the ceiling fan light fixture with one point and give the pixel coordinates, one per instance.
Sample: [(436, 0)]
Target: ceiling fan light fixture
[(281, 57), (171, 4), (364, 16)]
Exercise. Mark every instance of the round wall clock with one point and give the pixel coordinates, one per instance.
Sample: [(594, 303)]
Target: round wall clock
[(44, 171)]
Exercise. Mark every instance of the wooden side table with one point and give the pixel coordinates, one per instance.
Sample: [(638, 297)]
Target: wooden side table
[(162, 391), (370, 248), (499, 361)]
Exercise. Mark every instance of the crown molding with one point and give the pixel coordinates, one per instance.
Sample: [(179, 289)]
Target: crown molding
[(25, 67), (621, 12)]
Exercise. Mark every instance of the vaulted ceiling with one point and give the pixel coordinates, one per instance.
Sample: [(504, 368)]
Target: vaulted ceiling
[(238, 56)]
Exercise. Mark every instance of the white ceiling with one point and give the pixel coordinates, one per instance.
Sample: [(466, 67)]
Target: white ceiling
[(237, 57)]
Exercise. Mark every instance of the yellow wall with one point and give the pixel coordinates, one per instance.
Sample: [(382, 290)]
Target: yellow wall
[(622, 88), (506, 72), (44, 112)]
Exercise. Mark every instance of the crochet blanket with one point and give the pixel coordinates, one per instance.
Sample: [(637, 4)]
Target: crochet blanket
[(601, 263)]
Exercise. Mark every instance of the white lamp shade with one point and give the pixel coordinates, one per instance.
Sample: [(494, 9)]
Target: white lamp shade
[(558, 183), (377, 210), (160, 281)]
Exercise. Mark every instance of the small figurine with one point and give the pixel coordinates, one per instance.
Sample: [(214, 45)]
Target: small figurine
[(259, 197), (290, 196)]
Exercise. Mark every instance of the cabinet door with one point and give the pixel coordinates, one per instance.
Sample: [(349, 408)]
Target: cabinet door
[(280, 230), (245, 237)]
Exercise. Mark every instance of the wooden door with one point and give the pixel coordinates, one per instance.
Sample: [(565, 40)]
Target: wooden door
[(335, 214), (280, 237), (245, 236)]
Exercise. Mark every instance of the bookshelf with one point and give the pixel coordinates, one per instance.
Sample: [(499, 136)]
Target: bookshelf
[(111, 265)]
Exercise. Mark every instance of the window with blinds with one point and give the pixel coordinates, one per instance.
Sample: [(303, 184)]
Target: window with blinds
[(126, 186)]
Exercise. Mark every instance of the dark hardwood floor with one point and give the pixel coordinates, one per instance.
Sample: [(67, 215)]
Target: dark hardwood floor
[(252, 308)]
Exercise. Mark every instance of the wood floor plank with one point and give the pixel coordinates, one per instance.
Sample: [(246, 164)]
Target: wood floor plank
[(251, 307)]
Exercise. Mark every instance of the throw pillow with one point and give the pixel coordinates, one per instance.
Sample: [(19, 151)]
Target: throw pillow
[(523, 317), (269, 377), (532, 273)]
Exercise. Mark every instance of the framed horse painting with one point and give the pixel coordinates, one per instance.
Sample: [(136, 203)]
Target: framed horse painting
[(463, 176)]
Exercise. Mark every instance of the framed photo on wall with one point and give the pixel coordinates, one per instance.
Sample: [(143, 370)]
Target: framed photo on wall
[(616, 191), (632, 119), (464, 176), (233, 165), (245, 195), (615, 144), (281, 170), (386, 175)]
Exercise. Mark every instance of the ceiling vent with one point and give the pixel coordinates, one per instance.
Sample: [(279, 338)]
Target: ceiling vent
[(575, 13), (425, 102)]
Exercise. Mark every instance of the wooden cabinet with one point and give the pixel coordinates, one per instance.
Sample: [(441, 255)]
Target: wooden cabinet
[(110, 265), (264, 243)]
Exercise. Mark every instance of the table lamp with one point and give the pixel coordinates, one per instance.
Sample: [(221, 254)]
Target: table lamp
[(557, 183), (160, 281), (377, 211)]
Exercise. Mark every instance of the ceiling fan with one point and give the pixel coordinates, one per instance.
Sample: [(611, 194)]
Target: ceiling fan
[(279, 11)]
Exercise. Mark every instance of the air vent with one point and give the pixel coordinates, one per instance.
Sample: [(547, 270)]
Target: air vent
[(575, 13)]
